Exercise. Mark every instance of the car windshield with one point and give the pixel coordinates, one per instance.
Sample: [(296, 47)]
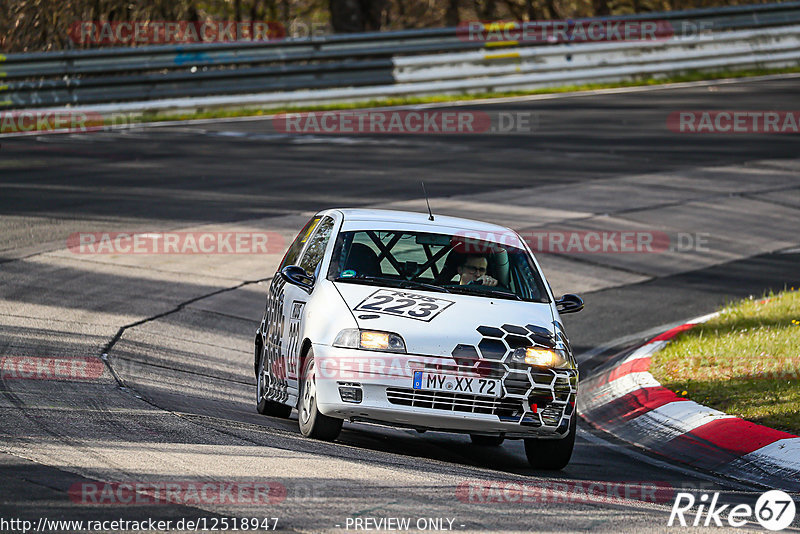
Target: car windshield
[(438, 262)]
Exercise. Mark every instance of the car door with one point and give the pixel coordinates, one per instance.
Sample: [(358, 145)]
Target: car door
[(294, 305), (273, 324), (297, 298)]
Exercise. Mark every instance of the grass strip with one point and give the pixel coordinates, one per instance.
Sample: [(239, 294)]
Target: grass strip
[(744, 362)]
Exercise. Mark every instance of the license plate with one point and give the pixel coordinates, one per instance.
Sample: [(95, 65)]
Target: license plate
[(457, 384)]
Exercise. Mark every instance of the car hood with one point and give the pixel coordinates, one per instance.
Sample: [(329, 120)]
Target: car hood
[(455, 321)]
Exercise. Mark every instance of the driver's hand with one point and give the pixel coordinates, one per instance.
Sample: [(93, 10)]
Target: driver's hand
[(488, 280)]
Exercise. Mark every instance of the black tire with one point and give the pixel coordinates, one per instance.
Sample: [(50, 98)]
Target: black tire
[(312, 423), (551, 454), (266, 406), (486, 441)]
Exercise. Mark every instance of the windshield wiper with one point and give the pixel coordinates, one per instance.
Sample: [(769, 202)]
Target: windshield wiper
[(423, 285), (369, 280), (493, 292), (392, 281)]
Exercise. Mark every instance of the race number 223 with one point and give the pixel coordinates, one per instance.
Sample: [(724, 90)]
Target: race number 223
[(404, 304)]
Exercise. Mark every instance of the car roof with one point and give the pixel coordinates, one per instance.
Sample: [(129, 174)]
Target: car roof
[(440, 222)]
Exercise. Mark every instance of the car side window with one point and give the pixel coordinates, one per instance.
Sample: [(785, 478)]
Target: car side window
[(314, 252), (290, 258)]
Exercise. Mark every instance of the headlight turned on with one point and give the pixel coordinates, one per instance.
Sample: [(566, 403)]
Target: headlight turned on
[(542, 357), (353, 338)]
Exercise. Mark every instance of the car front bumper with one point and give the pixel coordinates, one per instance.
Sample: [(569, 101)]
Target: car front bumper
[(387, 397)]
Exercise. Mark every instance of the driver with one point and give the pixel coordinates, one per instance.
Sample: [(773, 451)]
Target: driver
[(473, 270)]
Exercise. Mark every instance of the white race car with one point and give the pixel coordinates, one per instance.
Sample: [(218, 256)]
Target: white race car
[(423, 322)]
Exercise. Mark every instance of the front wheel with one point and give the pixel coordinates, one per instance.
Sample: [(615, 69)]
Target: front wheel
[(264, 405), (313, 424), (551, 454)]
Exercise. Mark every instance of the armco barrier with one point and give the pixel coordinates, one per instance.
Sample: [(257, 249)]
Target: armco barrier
[(370, 65)]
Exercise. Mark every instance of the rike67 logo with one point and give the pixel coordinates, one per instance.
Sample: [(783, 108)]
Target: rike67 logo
[(774, 510)]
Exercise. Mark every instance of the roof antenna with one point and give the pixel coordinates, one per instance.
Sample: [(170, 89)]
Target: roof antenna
[(430, 213)]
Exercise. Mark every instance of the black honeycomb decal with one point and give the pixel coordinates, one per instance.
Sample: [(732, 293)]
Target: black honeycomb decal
[(514, 329), (465, 355), (516, 342), (492, 349), (490, 331), (547, 395)]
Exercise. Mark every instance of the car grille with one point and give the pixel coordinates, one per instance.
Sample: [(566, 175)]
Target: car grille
[(553, 393), (517, 384), (563, 387), (455, 402), (551, 415)]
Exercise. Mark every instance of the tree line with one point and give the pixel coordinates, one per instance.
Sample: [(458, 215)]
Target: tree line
[(40, 25)]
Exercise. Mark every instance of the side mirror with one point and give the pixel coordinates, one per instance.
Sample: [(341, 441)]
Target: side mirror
[(297, 276), (569, 303)]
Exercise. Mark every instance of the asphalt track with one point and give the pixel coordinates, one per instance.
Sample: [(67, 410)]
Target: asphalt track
[(179, 404)]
